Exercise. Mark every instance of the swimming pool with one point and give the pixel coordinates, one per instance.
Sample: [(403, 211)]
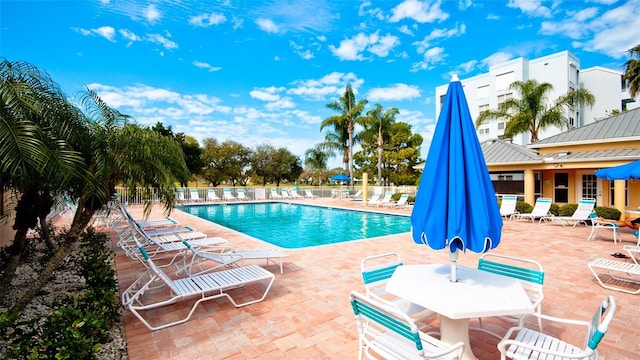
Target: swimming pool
[(295, 226)]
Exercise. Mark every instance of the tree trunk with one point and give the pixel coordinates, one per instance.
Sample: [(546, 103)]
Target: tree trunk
[(44, 230), (67, 247), (16, 250)]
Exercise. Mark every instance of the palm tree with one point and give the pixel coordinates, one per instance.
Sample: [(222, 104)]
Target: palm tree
[(632, 72), (381, 121), (39, 129), (344, 123), (316, 158), (115, 152), (530, 111)]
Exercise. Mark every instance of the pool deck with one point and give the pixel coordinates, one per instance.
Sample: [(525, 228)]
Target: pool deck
[(306, 314)]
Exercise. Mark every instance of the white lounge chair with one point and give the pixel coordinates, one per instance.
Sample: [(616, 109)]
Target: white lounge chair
[(212, 196), (522, 343), (529, 272), (274, 195), (194, 195), (598, 223), (386, 200), (294, 194), (180, 195), (242, 195), (623, 274), (401, 203), (228, 196), (634, 252), (357, 195), (508, 206), (204, 287), (285, 194), (270, 255), (580, 216), (539, 212), (386, 332), (308, 194), (374, 200), (376, 271)]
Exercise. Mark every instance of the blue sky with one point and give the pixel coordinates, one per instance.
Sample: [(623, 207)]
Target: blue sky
[(263, 71)]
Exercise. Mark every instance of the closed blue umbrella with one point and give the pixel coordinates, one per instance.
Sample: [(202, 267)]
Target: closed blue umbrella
[(340, 177), (622, 172), (456, 207)]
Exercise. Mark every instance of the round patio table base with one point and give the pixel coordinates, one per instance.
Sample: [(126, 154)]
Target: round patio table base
[(454, 330)]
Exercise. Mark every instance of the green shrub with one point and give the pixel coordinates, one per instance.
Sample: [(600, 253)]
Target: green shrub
[(555, 209), (567, 209), (606, 212), (396, 196), (523, 207), (79, 324)]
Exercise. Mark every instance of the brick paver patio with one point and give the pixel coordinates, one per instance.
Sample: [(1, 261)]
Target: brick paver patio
[(306, 315)]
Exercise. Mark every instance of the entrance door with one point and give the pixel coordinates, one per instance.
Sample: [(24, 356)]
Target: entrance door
[(561, 187)]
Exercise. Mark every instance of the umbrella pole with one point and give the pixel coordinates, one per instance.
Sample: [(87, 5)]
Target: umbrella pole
[(453, 256)]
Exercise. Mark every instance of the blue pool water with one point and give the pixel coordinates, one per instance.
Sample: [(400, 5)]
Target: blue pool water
[(294, 226)]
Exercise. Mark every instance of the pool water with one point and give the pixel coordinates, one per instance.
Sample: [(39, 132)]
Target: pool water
[(295, 226)]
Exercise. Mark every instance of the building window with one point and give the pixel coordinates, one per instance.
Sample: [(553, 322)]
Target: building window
[(501, 125), (504, 97), (483, 108), (612, 197), (483, 130), (589, 186)]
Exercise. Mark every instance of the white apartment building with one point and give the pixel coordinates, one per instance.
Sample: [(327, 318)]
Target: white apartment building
[(562, 70)]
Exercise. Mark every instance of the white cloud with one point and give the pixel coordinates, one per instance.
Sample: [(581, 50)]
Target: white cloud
[(300, 51), (573, 26), (496, 58), (531, 7), (420, 11), (161, 40), (266, 94), (615, 32), (267, 25), (352, 49), (206, 66), (284, 103), (366, 10), (431, 57), (129, 35), (151, 13), (405, 30), (206, 20), (395, 92), (437, 34), (328, 86)]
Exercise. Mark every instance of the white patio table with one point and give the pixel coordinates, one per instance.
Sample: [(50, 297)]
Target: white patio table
[(476, 294)]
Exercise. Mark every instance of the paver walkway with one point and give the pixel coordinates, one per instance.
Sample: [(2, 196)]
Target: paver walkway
[(306, 315)]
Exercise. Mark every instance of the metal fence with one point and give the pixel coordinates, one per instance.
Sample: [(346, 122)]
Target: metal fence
[(257, 192)]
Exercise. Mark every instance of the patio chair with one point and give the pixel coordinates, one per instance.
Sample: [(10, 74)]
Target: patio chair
[(374, 200), (285, 194), (618, 275), (212, 196), (508, 206), (376, 271), (270, 255), (356, 196), (206, 287), (294, 194), (401, 203), (521, 342), (228, 196), (540, 210), (580, 216), (529, 272), (385, 332), (241, 194), (634, 252), (598, 223), (194, 195), (180, 195), (386, 200), (308, 194), (274, 195)]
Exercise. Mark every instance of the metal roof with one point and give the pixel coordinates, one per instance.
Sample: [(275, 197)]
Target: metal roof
[(498, 151), (625, 126)]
